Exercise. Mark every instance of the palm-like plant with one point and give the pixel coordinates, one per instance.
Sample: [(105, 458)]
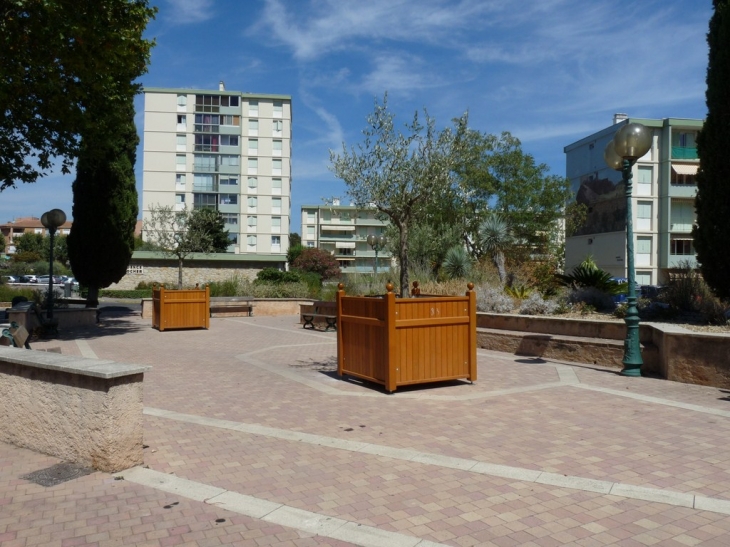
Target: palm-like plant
[(588, 274), (457, 262), (494, 238)]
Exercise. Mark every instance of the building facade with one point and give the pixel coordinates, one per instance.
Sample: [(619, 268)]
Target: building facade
[(663, 192), (24, 225), (226, 150), (343, 231)]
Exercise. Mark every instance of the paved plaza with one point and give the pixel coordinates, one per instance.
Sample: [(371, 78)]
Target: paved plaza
[(251, 439)]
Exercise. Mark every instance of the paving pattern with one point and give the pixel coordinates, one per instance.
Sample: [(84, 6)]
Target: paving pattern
[(252, 439)]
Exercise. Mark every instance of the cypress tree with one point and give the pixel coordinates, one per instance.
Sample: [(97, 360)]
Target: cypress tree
[(105, 209), (712, 231)]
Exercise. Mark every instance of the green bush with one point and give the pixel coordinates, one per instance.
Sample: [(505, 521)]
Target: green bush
[(457, 263), (274, 275), (227, 287), (7, 293), (118, 293)]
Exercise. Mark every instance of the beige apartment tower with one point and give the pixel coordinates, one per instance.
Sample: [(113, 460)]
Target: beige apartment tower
[(227, 150)]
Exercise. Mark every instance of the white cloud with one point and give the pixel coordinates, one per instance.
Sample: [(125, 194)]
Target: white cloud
[(185, 12)]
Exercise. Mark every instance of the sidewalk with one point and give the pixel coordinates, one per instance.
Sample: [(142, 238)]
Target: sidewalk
[(252, 440)]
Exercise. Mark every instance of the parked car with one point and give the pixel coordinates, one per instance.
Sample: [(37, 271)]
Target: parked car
[(43, 280), (10, 279), (28, 279)]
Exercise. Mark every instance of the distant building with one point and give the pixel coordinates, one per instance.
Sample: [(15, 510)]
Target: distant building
[(23, 225), (226, 150), (343, 230), (663, 196)]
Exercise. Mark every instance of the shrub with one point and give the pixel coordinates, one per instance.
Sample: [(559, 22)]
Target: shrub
[(117, 293), (318, 261), (7, 293), (535, 304), (274, 275), (591, 296), (457, 263), (588, 275), (491, 299), (520, 292)]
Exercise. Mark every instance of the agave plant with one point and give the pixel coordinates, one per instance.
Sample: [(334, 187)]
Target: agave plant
[(588, 274), (495, 237), (457, 263)]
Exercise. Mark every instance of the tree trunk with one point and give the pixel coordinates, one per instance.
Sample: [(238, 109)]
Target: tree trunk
[(179, 273), (92, 298), (403, 258), (498, 259)]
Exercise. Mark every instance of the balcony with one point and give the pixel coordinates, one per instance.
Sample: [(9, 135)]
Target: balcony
[(684, 153)]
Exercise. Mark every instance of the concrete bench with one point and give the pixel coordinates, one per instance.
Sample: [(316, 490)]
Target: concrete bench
[(231, 306), (320, 312), (85, 411)]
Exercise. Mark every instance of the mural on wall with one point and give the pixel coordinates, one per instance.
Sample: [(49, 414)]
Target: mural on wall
[(605, 201)]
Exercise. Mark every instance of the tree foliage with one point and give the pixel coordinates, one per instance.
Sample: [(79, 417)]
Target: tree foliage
[(105, 208), (318, 261), (62, 61), (712, 203), (181, 233), (399, 173)]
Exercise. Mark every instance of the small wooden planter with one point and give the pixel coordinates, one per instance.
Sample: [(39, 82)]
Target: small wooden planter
[(181, 309), (398, 342)]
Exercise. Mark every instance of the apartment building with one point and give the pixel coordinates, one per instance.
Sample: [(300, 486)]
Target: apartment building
[(343, 230), (24, 225), (226, 150), (663, 193)]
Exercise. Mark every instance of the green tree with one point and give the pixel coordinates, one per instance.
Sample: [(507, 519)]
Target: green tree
[(2, 243), (62, 61), (210, 222), (493, 239), (105, 209), (293, 253), (182, 233), (318, 261), (712, 203), (294, 239), (399, 173), (31, 243)]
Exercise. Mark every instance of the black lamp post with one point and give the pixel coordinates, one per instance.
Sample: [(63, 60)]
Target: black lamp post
[(629, 143), (378, 244), (52, 220)]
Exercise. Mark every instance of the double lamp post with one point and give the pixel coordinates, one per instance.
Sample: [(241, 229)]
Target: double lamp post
[(52, 220), (629, 143)]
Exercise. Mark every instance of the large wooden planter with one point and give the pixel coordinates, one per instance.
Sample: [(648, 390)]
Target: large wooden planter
[(398, 342), (180, 309)]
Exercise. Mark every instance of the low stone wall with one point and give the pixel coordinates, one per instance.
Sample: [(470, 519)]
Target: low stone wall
[(67, 317), (262, 306), (86, 411), (672, 352)]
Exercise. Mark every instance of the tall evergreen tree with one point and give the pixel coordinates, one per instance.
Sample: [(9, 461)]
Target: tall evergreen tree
[(105, 209), (712, 204)]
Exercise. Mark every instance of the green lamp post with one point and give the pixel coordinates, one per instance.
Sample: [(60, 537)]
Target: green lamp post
[(378, 244), (629, 143), (52, 220)]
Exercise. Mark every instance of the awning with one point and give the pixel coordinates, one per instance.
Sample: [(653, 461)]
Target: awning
[(338, 228), (344, 258), (684, 169), (344, 244)]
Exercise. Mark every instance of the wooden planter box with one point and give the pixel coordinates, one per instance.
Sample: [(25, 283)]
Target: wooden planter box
[(180, 309), (398, 342)]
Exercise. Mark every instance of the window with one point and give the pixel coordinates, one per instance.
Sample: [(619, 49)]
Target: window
[(276, 186), (206, 143), (229, 101), (180, 162), (229, 199), (643, 216), (643, 278), (210, 103), (38, 231), (230, 218), (253, 128), (182, 101), (204, 162), (681, 216), (180, 179), (230, 160), (233, 239), (277, 147), (201, 201), (278, 109), (643, 251), (253, 107), (207, 123), (275, 243), (276, 167), (253, 146), (229, 181), (278, 127), (204, 183), (684, 174), (681, 246), (229, 140), (252, 183), (231, 120), (251, 221), (136, 269), (310, 232), (643, 181), (252, 203), (310, 216), (684, 139), (179, 202), (251, 242), (182, 122), (181, 143), (253, 166), (310, 244), (276, 205), (276, 225)]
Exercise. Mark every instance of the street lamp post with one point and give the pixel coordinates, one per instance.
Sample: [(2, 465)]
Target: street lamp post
[(52, 220), (378, 244), (629, 143)]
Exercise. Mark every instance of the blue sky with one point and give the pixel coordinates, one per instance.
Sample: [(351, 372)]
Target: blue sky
[(548, 71)]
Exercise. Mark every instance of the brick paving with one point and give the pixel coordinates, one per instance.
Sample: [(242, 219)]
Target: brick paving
[(253, 407)]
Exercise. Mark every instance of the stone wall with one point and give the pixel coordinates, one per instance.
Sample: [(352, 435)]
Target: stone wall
[(200, 272), (85, 411)]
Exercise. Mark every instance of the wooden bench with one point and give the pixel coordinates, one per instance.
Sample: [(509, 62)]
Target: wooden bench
[(231, 306), (319, 311)]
